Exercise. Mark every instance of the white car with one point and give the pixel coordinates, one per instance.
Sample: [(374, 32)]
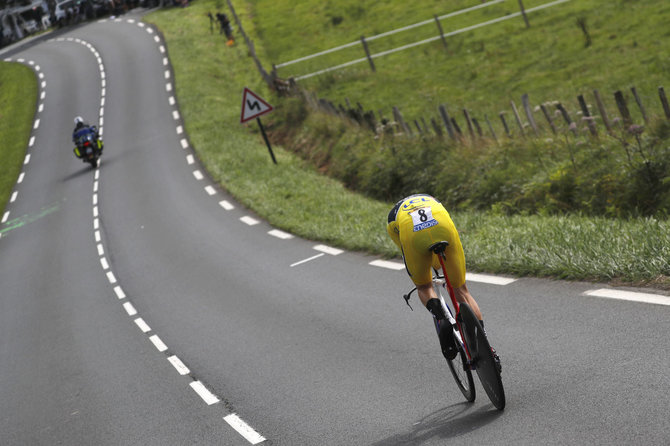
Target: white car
[(29, 26), (60, 11)]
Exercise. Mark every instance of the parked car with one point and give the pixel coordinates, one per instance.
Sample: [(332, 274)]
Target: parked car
[(29, 26), (60, 11)]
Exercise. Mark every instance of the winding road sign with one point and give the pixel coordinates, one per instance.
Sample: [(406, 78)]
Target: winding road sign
[(253, 106)]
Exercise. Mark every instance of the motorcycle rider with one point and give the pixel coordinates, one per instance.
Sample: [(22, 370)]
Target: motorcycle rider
[(82, 128)]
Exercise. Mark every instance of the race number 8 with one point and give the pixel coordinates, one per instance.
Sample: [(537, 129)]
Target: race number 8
[(421, 216)]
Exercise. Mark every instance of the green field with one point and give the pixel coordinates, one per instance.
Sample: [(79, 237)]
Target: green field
[(482, 69)]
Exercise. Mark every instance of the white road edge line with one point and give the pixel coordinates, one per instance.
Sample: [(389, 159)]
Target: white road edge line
[(243, 429), (485, 278), (388, 264), (329, 250), (226, 205), (248, 220), (630, 296), (202, 391), (280, 234)]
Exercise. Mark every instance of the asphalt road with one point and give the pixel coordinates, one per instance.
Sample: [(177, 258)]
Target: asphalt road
[(140, 304)]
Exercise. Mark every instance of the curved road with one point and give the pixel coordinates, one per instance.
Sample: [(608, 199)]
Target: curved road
[(141, 305)]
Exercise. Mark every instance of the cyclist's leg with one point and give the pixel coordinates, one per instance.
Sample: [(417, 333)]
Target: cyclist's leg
[(455, 262), (463, 295)]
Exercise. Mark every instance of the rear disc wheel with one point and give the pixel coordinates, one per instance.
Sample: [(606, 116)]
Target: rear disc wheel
[(482, 356)]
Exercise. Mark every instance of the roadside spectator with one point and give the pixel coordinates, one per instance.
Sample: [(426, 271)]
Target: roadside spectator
[(225, 27)]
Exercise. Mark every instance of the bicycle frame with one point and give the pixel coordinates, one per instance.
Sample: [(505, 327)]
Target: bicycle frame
[(452, 318)]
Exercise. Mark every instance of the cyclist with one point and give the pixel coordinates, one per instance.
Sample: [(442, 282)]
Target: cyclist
[(415, 223)]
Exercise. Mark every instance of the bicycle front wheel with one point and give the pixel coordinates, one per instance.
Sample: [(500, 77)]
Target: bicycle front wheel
[(462, 374), (481, 354)]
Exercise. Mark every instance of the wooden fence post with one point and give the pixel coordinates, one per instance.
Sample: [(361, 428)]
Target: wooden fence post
[(447, 121), (546, 114), (425, 127), (529, 113), (456, 127), (398, 117), (439, 27), (518, 118), (418, 127), (367, 53), (587, 115), (639, 104), (469, 123), (603, 111), (493, 133), (664, 102), (479, 129), (436, 127), (623, 108), (523, 13), (567, 118), (504, 123)]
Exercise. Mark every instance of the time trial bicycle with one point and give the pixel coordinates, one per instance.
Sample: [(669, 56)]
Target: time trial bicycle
[(474, 350)]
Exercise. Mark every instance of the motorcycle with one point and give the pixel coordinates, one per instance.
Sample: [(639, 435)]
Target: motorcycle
[(88, 148)]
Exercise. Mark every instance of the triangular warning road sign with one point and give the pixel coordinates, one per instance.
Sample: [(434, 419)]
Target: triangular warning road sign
[(253, 106)]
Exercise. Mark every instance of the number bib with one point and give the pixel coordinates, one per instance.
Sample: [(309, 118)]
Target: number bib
[(423, 219)]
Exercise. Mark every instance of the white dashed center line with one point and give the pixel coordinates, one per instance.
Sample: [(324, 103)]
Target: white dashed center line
[(207, 396), (181, 368), (119, 292), (130, 309), (244, 429), (142, 325), (158, 343)]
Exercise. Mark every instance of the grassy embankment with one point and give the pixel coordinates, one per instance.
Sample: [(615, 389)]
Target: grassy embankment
[(18, 95), (293, 196)]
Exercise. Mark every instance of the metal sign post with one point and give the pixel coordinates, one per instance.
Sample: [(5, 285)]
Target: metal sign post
[(253, 106)]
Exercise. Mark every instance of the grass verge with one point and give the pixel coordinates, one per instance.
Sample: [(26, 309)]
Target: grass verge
[(18, 96)]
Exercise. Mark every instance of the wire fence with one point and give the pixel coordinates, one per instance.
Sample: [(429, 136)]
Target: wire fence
[(525, 121), (442, 36)]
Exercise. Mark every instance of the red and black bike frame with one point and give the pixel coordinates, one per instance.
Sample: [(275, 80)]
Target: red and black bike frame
[(455, 303)]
